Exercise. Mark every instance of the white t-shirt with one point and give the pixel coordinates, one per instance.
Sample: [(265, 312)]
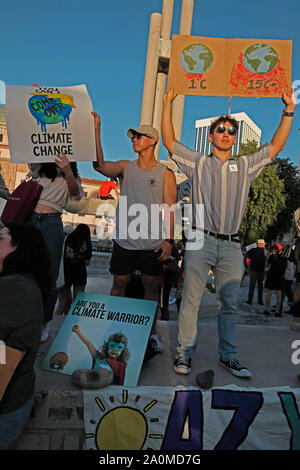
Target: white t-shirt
[(55, 193)]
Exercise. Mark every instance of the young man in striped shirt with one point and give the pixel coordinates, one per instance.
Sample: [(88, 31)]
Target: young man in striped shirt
[(219, 186)]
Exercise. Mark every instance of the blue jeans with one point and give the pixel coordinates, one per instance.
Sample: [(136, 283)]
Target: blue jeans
[(227, 260), (51, 226), (11, 424)]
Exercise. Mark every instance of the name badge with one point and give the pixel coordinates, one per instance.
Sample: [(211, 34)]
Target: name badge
[(233, 168)]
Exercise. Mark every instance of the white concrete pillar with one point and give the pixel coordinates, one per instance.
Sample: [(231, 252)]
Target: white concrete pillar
[(185, 28), (151, 70), (186, 16), (166, 27), (157, 114), (167, 17)]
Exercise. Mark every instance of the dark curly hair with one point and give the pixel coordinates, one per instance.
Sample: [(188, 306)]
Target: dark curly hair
[(50, 170), (30, 256), (223, 118), (117, 338)]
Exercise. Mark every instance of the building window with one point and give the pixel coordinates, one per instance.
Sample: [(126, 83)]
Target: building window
[(1, 137)]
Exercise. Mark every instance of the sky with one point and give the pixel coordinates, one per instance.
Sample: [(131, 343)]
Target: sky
[(103, 44)]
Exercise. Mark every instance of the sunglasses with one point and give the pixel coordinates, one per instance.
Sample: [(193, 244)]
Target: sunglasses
[(138, 136), (221, 129)]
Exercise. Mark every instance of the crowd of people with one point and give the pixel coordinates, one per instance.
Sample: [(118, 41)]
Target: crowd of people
[(31, 253), (274, 270)]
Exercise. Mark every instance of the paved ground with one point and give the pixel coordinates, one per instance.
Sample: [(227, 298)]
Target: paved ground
[(264, 343)]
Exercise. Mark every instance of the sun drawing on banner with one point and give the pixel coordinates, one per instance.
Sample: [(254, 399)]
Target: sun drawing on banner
[(123, 427)]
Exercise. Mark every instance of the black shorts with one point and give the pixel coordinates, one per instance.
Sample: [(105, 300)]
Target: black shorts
[(127, 261)]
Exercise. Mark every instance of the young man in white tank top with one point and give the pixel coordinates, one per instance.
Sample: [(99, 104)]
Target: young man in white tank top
[(159, 182)]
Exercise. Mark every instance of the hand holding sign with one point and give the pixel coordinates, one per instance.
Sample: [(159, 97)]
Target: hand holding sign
[(290, 100), (97, 120), (63, 163)]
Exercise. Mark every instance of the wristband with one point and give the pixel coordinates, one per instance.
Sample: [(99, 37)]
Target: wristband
[(288, 114), (170, 240)]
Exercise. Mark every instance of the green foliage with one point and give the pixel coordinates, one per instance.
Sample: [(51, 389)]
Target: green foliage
[(288, 173), (265, 201)]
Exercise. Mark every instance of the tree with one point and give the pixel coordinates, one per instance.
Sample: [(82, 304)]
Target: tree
[(288, 173), (265, 201)]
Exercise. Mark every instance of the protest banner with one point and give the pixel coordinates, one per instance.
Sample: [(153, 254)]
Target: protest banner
[(44, 121), (188, 419), (99, 319), (230, 67)]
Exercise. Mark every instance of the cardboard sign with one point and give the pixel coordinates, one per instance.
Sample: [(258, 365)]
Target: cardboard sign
[(12, 358), (230, 67), (91, 323), (44, 121)]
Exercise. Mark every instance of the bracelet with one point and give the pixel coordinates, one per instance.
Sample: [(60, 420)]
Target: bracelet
[(169, 240), (288, 114)]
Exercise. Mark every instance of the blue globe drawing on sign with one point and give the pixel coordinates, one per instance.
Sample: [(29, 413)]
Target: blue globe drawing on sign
[(260, 58), (196, 59)]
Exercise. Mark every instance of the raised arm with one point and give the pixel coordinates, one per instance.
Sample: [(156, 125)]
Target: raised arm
[(110, 169), (281, 135), (167, 129), (170, 193), (88, 343)]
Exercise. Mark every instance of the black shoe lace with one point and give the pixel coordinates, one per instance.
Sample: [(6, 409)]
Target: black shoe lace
[(235, 363)]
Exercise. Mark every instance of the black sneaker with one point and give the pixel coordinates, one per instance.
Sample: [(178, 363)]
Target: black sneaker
[(156, 344), (235, 368), (182, 365), (260, 302), (150, 352), (249, 302)]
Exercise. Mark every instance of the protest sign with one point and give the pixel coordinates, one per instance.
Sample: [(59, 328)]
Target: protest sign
[(44, 121), (95, 319), (230, 67), (189, 419)]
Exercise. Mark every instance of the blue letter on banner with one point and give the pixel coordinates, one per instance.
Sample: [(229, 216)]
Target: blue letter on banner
[(187, 405)]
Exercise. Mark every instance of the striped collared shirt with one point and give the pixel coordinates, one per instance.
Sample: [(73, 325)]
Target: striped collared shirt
[(222, 188)]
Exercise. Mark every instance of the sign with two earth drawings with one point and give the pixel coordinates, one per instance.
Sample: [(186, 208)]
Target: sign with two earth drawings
[(230, 67)]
